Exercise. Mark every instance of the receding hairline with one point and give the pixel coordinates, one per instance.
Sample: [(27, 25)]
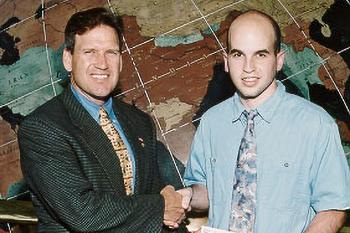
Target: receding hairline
[(253, 12), (248, 14), (257, 13)]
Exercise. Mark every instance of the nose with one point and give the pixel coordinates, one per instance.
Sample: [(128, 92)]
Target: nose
[(101, 62), (249, 65)]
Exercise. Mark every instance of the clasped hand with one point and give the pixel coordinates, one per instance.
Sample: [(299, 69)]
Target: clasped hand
[(174, 212)]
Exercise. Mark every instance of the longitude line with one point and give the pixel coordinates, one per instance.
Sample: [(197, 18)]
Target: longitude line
[(46, 45), (9, 227)]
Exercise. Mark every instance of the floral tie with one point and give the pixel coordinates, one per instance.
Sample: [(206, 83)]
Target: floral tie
[(243, 204), (120, 149)]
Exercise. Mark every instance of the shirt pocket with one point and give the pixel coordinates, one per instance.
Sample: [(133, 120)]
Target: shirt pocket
[(283, 184)]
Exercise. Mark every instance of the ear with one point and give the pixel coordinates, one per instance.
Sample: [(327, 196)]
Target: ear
[(67, 60), (280, 60), (224, 55)]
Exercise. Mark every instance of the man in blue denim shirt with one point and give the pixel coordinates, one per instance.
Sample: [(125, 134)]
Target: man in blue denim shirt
[(303, 180)]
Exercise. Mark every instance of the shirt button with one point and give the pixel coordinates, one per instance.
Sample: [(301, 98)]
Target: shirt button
[(286, 165), (213, 160)]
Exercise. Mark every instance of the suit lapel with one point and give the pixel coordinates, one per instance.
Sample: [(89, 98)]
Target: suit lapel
[(94, 139)]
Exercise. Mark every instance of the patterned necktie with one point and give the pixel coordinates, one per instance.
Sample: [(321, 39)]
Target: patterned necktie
[(120, 149), (243, 204)]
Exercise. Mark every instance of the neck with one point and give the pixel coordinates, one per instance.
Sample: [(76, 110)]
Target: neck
[(99, 102)]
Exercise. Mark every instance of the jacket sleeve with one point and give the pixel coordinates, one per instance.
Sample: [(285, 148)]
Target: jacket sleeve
[(57, 180)]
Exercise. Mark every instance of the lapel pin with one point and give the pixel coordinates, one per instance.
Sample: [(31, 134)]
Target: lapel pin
[(142, 142)]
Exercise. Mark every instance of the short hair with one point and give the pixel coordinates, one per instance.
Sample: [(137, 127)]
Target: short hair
[(274, 24), (84, 21)]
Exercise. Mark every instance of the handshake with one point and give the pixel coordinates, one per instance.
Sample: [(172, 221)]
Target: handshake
[(177, 203)]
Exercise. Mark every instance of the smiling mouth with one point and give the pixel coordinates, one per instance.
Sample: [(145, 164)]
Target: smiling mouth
[(250, 79), (100, 76)]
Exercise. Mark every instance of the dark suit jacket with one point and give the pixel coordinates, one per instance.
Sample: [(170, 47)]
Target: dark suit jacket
[(74, 173)]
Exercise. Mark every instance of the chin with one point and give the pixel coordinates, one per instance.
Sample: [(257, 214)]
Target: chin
[(250, 95)]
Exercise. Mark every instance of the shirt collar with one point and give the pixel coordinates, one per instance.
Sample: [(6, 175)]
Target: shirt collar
[(238, 107), (266, 110), (91, 107)]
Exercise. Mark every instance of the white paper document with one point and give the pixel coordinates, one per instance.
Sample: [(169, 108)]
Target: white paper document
[(206, 229)]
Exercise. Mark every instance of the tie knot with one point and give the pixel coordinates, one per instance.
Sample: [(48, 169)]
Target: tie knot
[(251, 114), (103, 113)]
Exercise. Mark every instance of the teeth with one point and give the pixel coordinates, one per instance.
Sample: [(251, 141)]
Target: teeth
[(250, 79), (100, 76)]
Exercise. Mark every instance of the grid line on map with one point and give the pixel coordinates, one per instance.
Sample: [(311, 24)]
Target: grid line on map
[(15, 24), (29, 93), (46, 45), (172, 70), (8, 143), (211, 29), (32, 16), (317, 54), (343, 50)]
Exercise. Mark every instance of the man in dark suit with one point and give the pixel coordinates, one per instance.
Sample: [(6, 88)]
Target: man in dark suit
[(84, 178)]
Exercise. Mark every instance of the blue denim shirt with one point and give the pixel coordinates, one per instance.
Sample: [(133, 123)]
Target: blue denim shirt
[(94, 111), (301, 164)]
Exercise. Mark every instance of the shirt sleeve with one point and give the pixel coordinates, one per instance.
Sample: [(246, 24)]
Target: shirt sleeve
[(195, 169), (330, 176)]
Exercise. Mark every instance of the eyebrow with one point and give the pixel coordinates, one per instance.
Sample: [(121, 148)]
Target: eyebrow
[(262, 51), (89, 49), (235, 51), (114, 50), (257, 52)]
